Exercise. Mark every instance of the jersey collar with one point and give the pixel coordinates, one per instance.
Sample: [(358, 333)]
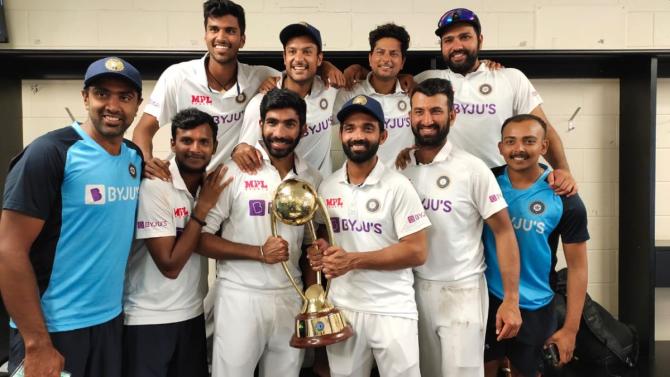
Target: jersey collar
[(299, 166), (177, 180), (368, 88), (242, 78), (442, 155), (372, 179), (317, 85)]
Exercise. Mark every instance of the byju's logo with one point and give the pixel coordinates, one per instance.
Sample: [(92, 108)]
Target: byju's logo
[(94, 194), (257, 208)]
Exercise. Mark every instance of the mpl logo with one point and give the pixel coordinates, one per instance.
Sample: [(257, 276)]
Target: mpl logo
[(256, 184), (181, 212), (94, 194), (201, 100), (334, 203)]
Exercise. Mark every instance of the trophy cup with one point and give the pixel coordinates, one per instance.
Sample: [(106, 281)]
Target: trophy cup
[(319, 323)]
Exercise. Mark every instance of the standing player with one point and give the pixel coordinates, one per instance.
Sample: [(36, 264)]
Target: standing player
[(459, 194), (303, 56), (388, 49), (167, 282), (217, 84), (379, 227), (539, 217), (66, 230), (485, 97), (255, 302)]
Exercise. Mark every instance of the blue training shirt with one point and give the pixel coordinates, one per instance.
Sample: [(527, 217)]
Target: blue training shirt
[(88, 199), (539, 217)]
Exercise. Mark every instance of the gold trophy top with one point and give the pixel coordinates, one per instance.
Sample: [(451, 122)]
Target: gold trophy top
[(295, 202)]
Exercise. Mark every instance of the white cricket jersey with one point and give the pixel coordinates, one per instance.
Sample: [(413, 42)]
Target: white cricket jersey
[(369, 217), (151, 298), (243, 213), (314, 146), (484, 99), (396, 108), (184, 85), (458, 192)]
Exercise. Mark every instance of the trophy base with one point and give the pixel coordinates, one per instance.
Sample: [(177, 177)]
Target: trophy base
[(320, 329)]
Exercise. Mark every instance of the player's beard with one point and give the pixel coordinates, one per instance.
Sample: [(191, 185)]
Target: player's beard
[(467, 65), (278, 153), (431, 141), (360, 157)]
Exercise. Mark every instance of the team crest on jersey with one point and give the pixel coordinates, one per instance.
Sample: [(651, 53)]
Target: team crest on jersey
[(132, 170), (360, 100), (443, 182), (241, 97), (485, 89), (114, 64), (402, 105), (537, 207), (372, 205), (323, 104)]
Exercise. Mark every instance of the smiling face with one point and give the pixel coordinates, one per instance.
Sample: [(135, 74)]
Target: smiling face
[(302, 59), (522, 144), (430, 119), (112, 104), (460, 48), (281, 130), (386, 59), (193, 148), (361, 136), (223, 38)]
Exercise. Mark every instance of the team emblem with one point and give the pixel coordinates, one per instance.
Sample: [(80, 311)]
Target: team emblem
[(537, 207), (114, 64), (485, 89), (241, 98), (402, 105), (323, 104), (132, 170), (443, 181), (372, 205), (360, 100)]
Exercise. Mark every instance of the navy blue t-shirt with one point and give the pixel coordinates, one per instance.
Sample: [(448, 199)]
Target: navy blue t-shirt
[(539, 217), (88, 200)]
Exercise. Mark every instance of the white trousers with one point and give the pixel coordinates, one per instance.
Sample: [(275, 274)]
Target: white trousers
[(452, 326), (390, 341), (254, 327)]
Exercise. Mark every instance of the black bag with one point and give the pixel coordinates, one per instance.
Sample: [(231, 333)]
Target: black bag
[(602, 340)]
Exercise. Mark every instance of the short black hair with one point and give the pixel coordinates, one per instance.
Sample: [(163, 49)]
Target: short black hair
[(191, 118), (284, 99), (220, 8), (522, 118), (432, 87), (390, 30)]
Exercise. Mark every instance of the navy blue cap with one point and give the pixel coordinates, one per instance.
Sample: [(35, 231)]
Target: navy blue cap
[(455, 16), (114, 67), (299, 29), (364, 104)]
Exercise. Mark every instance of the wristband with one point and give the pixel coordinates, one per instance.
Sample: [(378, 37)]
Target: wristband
[(197, 220)]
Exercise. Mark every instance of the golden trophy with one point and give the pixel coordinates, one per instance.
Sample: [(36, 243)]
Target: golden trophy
[(319, 322)]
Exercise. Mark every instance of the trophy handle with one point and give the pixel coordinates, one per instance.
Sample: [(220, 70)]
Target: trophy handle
[(331, 238), (273, 226)]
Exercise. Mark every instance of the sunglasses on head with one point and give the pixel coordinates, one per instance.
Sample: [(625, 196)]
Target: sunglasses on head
[(455, 15)]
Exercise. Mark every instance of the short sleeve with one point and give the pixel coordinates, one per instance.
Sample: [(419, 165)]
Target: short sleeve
[(573, 226), (35, 178), (409, 215), (486, 192), (221, 211), (162, 101), (251, 130), (526, 98), (155, 216)]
